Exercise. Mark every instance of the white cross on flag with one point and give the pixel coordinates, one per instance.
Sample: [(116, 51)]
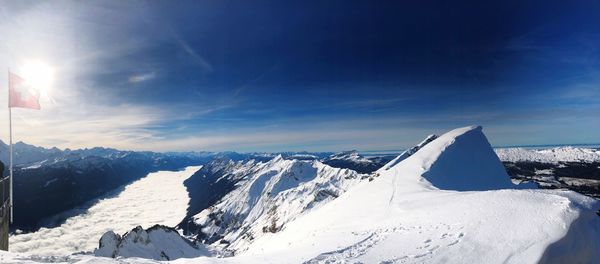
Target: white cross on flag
[(21, 94)]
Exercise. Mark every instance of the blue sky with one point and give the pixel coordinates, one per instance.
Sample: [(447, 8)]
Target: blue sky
[(306, 75)]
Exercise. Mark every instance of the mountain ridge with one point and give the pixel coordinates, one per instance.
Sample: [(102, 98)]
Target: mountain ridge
[(403, 205)]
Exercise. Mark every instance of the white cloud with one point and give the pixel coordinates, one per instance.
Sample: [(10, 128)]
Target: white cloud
[(307, 135), (82, 113), (160, 198), (142, 77), (77, 111), (78, 125), (199, 60)]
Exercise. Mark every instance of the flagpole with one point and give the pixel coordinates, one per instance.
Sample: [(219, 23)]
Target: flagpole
[(11, 150)]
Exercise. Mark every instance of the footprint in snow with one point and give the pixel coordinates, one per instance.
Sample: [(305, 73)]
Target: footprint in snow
[(422, 255), (453, 243), (460, 235), (433, 248)]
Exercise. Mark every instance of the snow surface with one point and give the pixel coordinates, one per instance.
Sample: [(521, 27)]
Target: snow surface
[(407, 153), (402, 216), (159, 198), (552, 155), (443, 163), (277, 192)]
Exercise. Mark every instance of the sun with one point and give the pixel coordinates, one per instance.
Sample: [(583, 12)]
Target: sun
[(38, 75)]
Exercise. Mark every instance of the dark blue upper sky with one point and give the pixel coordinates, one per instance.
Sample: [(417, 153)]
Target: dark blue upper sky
[(330, 75)]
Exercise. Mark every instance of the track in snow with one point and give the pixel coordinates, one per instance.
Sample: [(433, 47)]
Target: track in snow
[(435, 237)]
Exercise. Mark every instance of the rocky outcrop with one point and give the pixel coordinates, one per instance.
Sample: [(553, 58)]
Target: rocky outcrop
[(158, 242)]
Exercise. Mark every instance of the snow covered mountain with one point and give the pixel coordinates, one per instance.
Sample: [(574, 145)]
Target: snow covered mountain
[(410, 214), (25, 153), (552, 155), (210, 184), (29, 156), (570, 168), (354, 161), (222, 175), (270, 195), (64, 179), (451, 201), (348, 155)]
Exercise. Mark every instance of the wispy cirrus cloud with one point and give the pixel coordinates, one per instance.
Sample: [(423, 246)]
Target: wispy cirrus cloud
[(143, 77), (199, 60), (81, 110)]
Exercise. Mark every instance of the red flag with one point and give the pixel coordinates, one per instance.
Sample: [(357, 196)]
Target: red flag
[(21, 94)]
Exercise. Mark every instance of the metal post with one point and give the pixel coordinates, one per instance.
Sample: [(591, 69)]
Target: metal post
[(11, 150)]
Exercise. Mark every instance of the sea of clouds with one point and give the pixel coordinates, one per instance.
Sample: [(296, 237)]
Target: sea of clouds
[(159, 198)]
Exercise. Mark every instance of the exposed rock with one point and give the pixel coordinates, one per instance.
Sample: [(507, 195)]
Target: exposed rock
[(158, 242)]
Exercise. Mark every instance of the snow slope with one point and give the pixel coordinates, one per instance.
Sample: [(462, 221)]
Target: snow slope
[(403, 217), (276, 193), (212, 182), (407, 153), (553, 155), (159, 198), (443, 162)]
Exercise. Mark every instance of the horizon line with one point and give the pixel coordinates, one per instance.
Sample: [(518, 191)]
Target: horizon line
[(382, 151)]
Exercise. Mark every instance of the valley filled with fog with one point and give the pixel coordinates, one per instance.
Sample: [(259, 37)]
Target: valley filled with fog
[(159, 198)]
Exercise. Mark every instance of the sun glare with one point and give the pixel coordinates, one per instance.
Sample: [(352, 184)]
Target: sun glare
[(39, 75)]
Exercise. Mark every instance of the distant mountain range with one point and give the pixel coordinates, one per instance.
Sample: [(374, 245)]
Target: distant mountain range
[(50, 181), (569, 167), (64, 179)]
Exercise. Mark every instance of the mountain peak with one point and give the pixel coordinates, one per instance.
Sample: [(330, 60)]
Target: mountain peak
[(442, 160), (276, 159), (407, 153), (350, 155), (408, 203)]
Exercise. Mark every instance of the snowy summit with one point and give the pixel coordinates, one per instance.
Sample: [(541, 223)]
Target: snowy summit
[(412, 213)]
